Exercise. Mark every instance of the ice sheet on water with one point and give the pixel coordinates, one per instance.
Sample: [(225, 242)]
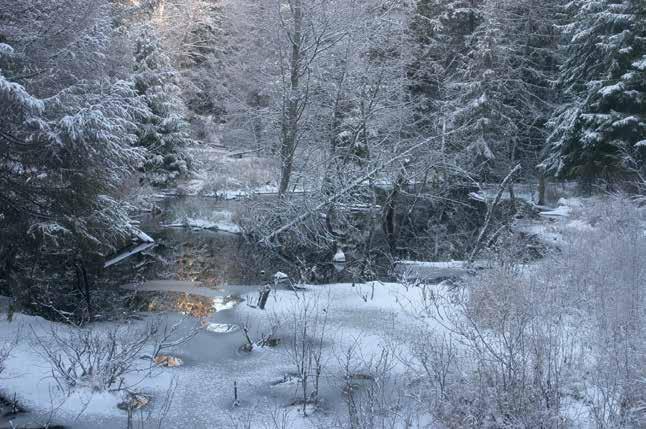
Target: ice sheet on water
[(361, 315)]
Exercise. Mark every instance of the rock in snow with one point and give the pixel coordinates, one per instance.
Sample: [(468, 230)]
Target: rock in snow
[(280, 276), (339, 256)]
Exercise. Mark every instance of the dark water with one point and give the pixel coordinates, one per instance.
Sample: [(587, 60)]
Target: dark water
[(213, 257)]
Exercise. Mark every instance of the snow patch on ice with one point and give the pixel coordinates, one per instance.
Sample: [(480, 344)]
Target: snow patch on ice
[(339, 256), (6, 49), (560, 211), (225, 224), (222, 328), (579, 225)]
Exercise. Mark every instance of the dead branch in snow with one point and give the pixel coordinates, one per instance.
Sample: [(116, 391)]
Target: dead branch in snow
[(490, 210)]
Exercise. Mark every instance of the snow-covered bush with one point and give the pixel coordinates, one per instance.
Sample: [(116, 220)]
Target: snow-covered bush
[(603, 276), (498, 363), (527, 344), (307, 325), (374, 397)]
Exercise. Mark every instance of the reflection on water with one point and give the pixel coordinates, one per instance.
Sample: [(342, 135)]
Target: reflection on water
[(200, 307), (197, 306), (215, 258)]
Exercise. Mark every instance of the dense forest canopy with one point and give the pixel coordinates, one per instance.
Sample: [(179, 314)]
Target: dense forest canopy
[(100, 95)]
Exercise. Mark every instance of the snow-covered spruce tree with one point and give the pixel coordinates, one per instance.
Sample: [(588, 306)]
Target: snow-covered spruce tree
[(499, 97), (440, 29), (56, 43), (165, 132), (20, 112), (601, 132), (63, 159), (481, 105), (532, 35)]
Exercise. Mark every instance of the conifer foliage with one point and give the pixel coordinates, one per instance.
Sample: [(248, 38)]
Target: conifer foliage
[(600, 132), (482, 71), (62, 161), (165, 131), (440, 30)]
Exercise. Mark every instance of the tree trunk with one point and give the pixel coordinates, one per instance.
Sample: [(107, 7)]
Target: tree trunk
[(292, 105), (541, 189), (389, 219), (83, 286)]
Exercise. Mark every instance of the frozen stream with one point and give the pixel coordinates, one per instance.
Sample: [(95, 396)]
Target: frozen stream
[(364, 318)]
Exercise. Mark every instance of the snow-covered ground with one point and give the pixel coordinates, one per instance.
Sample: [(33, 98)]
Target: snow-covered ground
[(365, 317), (565, 218), (361, 321), (437, 270)]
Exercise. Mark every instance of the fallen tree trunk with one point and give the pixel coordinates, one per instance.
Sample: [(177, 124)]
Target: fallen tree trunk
[(354, 184)]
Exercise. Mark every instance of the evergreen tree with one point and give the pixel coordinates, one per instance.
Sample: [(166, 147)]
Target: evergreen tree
[(440, 29), (600, 132), (499, 96), (484, 69), (531, 33), (203, 61), (62, 162), (56, 43), (165, 133)]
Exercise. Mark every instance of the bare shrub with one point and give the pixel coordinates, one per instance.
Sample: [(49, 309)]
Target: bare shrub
[(373, 395), (96, 359), (477, 370), (437, 355), (165, 335), (101, 358), (5, 351), (307, 325), (604, 273), (278, 418), (522, 343), (485, 369)]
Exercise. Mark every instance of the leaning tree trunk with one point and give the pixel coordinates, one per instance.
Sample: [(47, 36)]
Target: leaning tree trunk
[(490, 212)]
